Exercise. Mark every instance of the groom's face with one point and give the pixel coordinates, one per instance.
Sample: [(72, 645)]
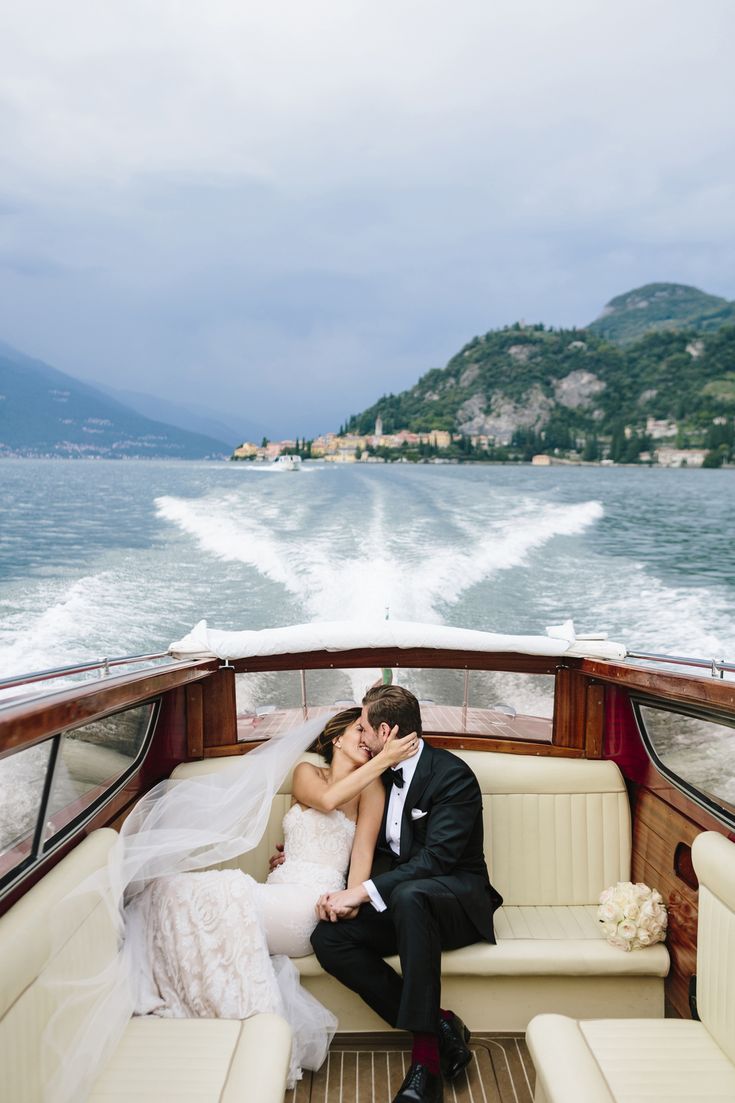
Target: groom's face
[(373, 739)]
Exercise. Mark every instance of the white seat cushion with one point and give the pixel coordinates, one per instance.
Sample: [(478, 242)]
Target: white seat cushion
[(538, 958), (198, 1061), (628, 1061), (670, 1059), (548, 922)]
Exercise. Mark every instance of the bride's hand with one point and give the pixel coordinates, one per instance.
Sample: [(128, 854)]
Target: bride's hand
[(397, 750)]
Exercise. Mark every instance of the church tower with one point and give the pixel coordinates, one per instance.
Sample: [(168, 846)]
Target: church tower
[(378, 426)]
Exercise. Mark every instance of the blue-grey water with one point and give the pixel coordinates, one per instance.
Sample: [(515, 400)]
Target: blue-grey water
[(110, 558)]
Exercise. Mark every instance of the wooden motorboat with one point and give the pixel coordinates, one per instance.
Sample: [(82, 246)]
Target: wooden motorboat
[(79, 746)]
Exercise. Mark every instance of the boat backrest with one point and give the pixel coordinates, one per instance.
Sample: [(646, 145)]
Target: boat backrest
[(557, 830), (714, 863), (31, 949)]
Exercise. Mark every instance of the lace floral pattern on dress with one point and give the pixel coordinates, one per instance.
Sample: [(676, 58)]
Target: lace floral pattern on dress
[(210, 935)]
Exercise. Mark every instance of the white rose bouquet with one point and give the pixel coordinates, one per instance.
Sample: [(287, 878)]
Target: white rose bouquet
[(632, 916)]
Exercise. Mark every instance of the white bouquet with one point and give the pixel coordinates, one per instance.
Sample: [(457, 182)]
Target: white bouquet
[(632, 916)]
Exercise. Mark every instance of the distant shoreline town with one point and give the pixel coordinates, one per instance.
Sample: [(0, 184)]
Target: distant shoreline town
[(441, 446)]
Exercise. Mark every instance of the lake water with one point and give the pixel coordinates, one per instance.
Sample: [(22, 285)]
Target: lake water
[(111, 558)]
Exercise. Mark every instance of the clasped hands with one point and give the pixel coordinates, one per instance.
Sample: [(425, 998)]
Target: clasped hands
[(344, 904)]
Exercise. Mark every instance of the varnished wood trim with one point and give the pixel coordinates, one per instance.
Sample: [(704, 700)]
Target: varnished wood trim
[(29, 722), (563, 735), (454, 742), (594, 720), (658, 830), (402, 657), (226, 749), (220, 709), (687, 688), (194, 721), (450, 741)]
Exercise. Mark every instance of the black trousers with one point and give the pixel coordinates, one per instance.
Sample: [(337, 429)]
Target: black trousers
[(422, 919)]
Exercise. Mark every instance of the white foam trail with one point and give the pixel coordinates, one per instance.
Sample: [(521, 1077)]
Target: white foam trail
[(337, 573), (636, 607), (98, 615)]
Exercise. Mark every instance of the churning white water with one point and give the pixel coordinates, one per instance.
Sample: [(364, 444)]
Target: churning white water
[(112, 558)]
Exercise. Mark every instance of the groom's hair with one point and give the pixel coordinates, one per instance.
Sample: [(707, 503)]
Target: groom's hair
[(393, 705)]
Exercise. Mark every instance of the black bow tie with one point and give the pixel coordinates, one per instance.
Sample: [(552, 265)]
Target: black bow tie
[(397, 776)]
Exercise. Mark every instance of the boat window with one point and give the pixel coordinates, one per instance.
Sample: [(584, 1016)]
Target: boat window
[(90, 760), (695, 750), (22, 782), (493, 704)]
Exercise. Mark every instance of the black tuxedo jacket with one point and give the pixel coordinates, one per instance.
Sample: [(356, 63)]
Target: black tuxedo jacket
[(446, 843)]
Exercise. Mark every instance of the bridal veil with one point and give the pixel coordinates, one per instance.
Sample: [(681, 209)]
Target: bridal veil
[(179, 826)]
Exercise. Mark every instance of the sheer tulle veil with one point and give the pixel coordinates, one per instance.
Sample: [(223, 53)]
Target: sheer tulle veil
[(178, 826)]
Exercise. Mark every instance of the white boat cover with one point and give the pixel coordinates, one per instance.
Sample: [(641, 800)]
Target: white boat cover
[(560, 639)]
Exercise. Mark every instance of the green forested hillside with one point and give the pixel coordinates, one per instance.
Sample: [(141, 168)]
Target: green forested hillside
[(661, 306), (571, 384)]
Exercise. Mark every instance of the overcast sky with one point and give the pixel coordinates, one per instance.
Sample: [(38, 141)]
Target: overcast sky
[(282, 209)]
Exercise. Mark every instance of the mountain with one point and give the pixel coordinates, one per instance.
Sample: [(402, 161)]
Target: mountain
[(200, 420), (568, 383), (661, 306), (45, 412)]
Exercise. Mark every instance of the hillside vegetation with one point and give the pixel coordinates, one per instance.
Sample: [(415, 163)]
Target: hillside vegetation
[(658, 306), (561, 387)]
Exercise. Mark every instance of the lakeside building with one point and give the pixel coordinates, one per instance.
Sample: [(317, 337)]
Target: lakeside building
[(246, 451), (358, 448), (658, 430), (681, 457)]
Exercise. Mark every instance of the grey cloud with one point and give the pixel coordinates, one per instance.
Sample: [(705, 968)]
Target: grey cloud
[(291, 215)]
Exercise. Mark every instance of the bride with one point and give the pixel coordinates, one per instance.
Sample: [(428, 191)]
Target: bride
[(208, 936)]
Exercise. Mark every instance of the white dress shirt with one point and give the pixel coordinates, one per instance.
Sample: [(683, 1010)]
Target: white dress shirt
[(394, 818)]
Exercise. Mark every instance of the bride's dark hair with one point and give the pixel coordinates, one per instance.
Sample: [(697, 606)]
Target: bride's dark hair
[(333, 729)]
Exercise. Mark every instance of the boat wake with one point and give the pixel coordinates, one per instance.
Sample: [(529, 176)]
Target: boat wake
[(354, 572)]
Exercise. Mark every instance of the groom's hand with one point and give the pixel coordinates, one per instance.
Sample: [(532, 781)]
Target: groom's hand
[(276, 859), (333, 906)]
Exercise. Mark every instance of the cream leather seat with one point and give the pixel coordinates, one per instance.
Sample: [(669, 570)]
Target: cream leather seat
[(672, 1060), (557, 832), (161, 1060)]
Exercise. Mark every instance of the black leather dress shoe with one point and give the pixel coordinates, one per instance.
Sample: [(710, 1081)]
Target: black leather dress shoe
[(454, 1053), (420, 1086)]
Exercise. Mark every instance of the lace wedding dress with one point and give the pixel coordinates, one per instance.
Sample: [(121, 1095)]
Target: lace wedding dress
[(209, 936)]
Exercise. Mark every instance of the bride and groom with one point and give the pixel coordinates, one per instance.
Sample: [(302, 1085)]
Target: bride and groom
[(383, 854)]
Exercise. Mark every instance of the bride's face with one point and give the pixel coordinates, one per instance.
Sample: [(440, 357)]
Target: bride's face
[(351, 743)]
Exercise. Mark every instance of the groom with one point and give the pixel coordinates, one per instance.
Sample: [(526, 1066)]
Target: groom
[(429, 892)]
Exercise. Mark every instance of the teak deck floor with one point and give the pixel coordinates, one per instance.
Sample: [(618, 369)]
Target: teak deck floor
[(365, 1070)]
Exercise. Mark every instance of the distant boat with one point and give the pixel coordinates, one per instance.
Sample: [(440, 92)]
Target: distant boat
[(287, 463)]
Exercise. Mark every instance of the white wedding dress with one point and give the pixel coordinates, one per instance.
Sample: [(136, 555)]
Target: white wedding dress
[(209, 936)]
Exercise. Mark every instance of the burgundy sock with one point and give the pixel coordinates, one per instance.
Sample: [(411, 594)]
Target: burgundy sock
[(426, 1052), (446, 1015)]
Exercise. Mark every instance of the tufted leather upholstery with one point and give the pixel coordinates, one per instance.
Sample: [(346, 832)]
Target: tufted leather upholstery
[(557, 831), (195, 1061), (714, 862), (670, 1060)]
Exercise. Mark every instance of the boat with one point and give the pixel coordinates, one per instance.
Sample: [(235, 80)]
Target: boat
[(287, 462), (582, 747)]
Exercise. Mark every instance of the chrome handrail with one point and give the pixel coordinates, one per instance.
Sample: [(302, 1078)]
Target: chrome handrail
[(717, 667), (102, 665)]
